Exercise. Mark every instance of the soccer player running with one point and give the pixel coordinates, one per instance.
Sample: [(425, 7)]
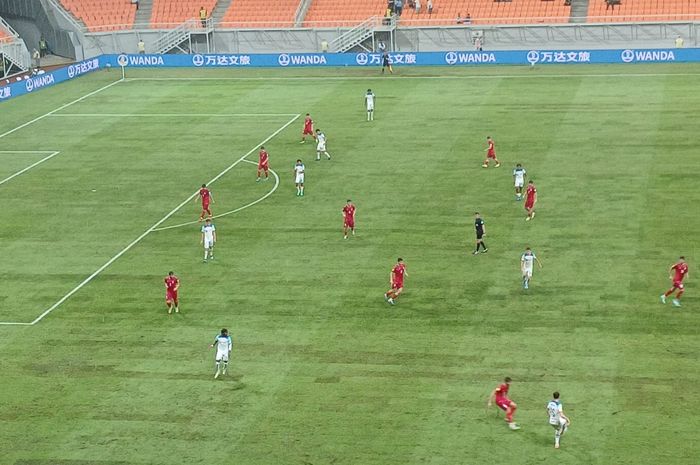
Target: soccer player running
[(677, 273), (490, 153), (369, 103), (207, 199), (223, 344), (299, 178), (208, 239), (480, 233), (386, 63), (348, 218), (557, 419), (263, 163), (500, 397), (172, 284), (527, 261), (519, 174), (321, 145), (398, 273), (530, 200), (308, 129)]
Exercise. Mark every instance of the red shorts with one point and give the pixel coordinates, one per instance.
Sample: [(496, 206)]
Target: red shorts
[(529, 204), (397, 285), (309, 131), (349, 223), (170, 296), (205, 207), (491, 155), (503, 403), (678, 285), (263, 167)]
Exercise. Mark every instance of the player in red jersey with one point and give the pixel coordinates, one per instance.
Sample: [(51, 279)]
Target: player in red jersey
[(490, 153), (308, 129), (530, 200), (172, 284), (348, 218), (677, 273), (500, 397), (398, 272), (207, 199), (263, 166)]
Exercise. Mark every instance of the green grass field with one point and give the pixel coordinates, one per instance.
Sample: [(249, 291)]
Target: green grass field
[(323, 370)]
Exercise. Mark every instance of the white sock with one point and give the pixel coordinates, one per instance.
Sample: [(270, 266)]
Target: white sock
[(206, 252), (225, 367), (302, 190), (328, 155), (218, 364)]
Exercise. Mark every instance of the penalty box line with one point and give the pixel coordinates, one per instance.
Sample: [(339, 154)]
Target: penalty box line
[(152, 228), (236, 210), (50, 155)]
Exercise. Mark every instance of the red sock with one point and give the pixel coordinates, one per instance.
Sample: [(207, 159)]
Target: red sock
[(668, 293)]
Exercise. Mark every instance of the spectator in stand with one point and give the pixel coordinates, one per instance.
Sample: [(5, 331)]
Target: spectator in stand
[(468, 18), (142, 47), (478, 45), (418, 7), (387, 16), (398, 6), (135, 2), (459, 18), (43, 47), (610, 4), (430, 7), (36, 59), (390, 5), (203, 16), (412, 4), (679, 42)]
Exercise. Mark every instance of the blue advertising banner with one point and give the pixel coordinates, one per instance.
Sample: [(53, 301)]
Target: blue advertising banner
[(455, 58), (40, 81), (294, 60)]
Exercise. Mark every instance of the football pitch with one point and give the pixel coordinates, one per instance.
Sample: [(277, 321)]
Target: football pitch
[(97, 183)]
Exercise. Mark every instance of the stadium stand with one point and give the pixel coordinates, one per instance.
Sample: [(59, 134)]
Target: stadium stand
[(600, 11), (171, 13), (445, 12), (329, 13), (260, 13), (5, 35), (489, 12), (102, 15)]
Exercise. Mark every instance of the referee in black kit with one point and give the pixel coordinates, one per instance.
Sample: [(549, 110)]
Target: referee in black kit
[(480, 233)]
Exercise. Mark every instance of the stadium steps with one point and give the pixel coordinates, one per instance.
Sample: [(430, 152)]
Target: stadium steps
[(143, 14), (219, 10), (579, 11)]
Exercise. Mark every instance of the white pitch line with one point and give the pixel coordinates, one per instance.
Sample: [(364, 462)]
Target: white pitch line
[(62, 107), (170, 115), (158, 223), (364, 78), (29, 167), (13, 323), (274, 188)]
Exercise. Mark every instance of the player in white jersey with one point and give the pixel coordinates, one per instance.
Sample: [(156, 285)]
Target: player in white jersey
[(519, 174), (369, 102), (557, 419), (527, 260), (223, 346), (299, 177), (208, 239), (321, 145)]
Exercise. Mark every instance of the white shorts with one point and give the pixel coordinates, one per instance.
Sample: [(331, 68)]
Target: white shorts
[(370, 107), (299, 179), (321, 147), (222, 355), (560, 426), (527, 272), (208, 243), (519, 183)]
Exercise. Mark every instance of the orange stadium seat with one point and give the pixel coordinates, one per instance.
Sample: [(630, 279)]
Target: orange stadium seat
[(260, 13), (102, 15), (643, 10), (172, 13), (5, 35)]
